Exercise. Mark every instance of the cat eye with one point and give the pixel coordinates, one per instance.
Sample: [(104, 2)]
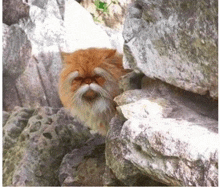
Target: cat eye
[(78, 79), (96, 76)]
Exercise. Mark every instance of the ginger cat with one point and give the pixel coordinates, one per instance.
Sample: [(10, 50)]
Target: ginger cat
[(88, 83)]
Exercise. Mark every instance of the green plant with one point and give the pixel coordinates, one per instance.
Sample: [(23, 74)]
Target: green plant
[(103, 7)]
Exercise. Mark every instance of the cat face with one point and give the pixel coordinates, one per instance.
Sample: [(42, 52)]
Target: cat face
[(88, 84)]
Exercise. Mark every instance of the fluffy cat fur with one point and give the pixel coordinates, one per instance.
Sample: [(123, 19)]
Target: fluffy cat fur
[(88, 83)]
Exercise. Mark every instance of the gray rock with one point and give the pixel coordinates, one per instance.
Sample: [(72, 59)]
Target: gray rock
[(13, 10), (84, 166), (5, 116), (36, 83), (10, 95), (16, 56), (14, 125), (202, 105), (39, 3), (167, 136), (115, 37), (35, 141), (123, 169), (16, 51), (44, 27), (174, 152), (125, 172), (175, 42)]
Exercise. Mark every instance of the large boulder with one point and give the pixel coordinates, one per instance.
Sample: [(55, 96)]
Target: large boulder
[(165, 134), (174, 41)]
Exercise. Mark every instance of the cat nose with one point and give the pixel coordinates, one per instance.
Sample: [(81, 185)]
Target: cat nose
[(88, 81), (90, 95)]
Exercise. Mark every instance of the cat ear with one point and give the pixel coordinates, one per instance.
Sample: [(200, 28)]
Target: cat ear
[(108, 53), (64, 56)]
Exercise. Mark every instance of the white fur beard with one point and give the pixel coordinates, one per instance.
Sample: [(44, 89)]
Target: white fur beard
[(97, 113), (93, 114)]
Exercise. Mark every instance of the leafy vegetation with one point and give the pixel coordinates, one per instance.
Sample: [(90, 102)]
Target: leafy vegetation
[(102, 7)]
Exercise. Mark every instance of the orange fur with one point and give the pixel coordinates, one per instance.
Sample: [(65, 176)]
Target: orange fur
[(97, 71)]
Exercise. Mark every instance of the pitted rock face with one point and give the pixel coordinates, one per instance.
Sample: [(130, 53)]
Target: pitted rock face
[(34, 143)]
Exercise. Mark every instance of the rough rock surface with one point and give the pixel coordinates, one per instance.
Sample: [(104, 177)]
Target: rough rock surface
[(13, 10), (165, 136), (124, 170), (16, 51), (84, 166), (34, 143), (35, 56), (16, 56), (44, 26), (174, 41)]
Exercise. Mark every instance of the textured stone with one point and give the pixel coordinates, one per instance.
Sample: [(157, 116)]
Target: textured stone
[(38, 85), (5, 116), (84, 166), (13, 10), (174, 152), (131, 81), (115, 37), (16, 51), (174, 41), (124, 170), (169, 135), (35, 142), (34, 83), (44, 27), (14, 125)]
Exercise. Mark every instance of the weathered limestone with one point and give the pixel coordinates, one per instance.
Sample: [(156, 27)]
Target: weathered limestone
[(174, 41), (165, 136), (35, 141)]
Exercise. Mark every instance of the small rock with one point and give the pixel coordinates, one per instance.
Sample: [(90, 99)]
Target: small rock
[(84, 166)]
